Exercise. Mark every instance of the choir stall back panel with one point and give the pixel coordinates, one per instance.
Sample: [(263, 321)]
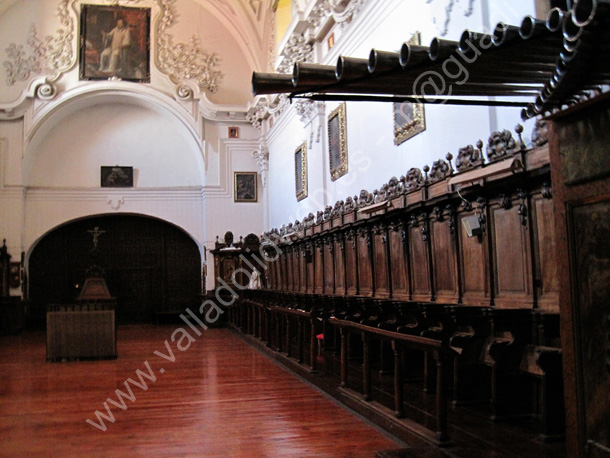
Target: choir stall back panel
[(303, 268), (365, 271), (289, 265), (419, 260), (318, 267), (295, 268), (579, 149), (444, 261), (398, 259), (329, 268), (475, 265), (339, 263), (546, 281), (512, 268), (310, 266), (380, 258)]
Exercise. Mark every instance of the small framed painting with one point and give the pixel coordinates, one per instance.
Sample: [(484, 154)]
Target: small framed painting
[(300, 171), (244, 184), (337, 142), (116, 177), (233, 132), (409, 118)]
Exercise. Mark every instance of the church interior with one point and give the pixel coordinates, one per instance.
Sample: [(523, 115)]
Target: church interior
[(305, 228)]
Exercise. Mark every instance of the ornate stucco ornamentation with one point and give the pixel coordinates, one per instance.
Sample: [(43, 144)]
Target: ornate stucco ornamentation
[(52, 55), (184, 61), (340, 13), (297, 49), (307, 111), (183, 92), (262, 159), (265, 108), (46, 91)]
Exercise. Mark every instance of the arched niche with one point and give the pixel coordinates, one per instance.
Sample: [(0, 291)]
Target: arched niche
[(109, 124), (152, 267)]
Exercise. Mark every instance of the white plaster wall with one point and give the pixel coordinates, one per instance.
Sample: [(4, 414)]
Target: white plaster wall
[(70, 155), (222, 213)]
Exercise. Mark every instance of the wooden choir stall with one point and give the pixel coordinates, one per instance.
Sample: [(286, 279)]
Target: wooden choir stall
[(442, 282)]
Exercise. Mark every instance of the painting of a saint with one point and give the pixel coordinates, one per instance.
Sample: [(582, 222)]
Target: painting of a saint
[(115, 43)]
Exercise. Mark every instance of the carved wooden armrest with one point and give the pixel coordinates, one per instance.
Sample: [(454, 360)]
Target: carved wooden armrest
[(496, 347)]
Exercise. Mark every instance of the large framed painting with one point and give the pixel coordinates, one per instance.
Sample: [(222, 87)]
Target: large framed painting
[(115, 43), (300, 171), (409, 118), (244, 184), (337, 142)]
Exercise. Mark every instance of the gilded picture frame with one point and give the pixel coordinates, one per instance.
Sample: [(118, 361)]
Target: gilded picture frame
[(300, 171), (409, 118), (337, 142), (245, 187)]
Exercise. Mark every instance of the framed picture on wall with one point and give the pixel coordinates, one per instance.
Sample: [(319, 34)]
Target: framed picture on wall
[(116, 177), (114, 43), (409, 118), (244, 184), (337, 142), (300, 171)]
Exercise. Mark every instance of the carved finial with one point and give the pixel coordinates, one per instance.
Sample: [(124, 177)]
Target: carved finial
[(480, 146), (519, 131), (426, 170), (449, 158)]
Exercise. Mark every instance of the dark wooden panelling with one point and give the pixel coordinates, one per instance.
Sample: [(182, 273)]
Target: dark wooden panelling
[(319, 267), (399, 273), (511, 257), (365, 270), (420, 259), (339, 263), (380, 259), (150, 265), (329, 269), (474, 269), (444, 261), (546, 281), (295, 269), (310, 266), (302, 268), (578, 144), (351, 263)]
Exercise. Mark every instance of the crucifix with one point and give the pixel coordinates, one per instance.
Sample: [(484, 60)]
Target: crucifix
[(96, 232)]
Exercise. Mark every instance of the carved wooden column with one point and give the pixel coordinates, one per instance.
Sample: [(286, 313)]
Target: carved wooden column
[(351, 263)]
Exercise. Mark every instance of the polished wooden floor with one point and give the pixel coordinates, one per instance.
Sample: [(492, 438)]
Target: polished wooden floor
[(219, 398)]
